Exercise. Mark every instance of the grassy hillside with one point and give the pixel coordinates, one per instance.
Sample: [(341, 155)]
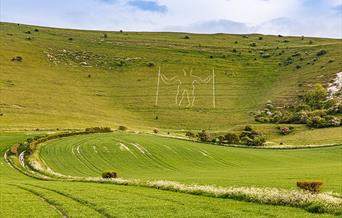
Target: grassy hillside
[(153, 158), (24, 196), (71, 78)]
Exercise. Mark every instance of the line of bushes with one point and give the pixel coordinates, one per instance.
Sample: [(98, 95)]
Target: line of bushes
[(248, 136), (316, 109)]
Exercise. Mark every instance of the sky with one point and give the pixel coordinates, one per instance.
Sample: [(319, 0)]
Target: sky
[(320, 18)]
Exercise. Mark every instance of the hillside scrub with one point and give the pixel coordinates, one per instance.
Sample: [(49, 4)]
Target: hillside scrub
[(248, 136), (316, 109)]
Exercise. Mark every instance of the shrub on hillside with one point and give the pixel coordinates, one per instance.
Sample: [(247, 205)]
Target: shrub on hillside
[(321, 52), (150, 64), (265, 55), (155, 131), (17, 58), (220, 139), (14, 149), (316, 97), (190, 134), (256, 141), (285, 130), (251, 137), (231, 138), (203, 136), (109, 175), (313, 187), (325, 121), (122, 128)]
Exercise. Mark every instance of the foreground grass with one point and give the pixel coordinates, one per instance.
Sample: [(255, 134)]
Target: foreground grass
[(23, 196)]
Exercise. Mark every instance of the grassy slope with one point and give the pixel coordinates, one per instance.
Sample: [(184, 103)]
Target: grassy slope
[(172, 159), (44, 94), (118, 201)]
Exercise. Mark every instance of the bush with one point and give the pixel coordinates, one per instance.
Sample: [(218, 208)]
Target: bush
[(265, 55), (203, 136), (313, 187), (109, 175), (285, 130), (256, 141), (155, 131), (231, 138), (220, 139), (150, 64), (248, 128), (186, 37), (251, 137), (322, 122), (98, 129), (315, 98), (190, 134), (122, 128), (253, 44), (17, 58), (321, 52)]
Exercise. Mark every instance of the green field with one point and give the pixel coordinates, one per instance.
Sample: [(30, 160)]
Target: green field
[(73, 79), (22, 196), (157, 158)]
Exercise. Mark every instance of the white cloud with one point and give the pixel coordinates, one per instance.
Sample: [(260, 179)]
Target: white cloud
[(290, 17)]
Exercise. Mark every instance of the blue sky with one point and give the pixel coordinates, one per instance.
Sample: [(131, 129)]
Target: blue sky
[(321, 18)]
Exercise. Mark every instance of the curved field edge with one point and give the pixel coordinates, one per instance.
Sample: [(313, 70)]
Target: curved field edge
[(33, 166)]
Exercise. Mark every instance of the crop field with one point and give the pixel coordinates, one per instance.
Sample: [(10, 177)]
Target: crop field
[(158, 158), (22, 196)]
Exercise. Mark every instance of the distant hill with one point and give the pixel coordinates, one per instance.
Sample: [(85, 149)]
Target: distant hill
[(58, 78)]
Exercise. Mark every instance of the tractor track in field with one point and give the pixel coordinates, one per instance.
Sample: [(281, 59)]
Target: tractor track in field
[(78, 200), (150, 197), (50, 202)]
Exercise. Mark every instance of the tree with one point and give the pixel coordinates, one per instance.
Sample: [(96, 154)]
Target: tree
[(190, 134), (232, 138), (203, 136), (220, 139), (315, 98)]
